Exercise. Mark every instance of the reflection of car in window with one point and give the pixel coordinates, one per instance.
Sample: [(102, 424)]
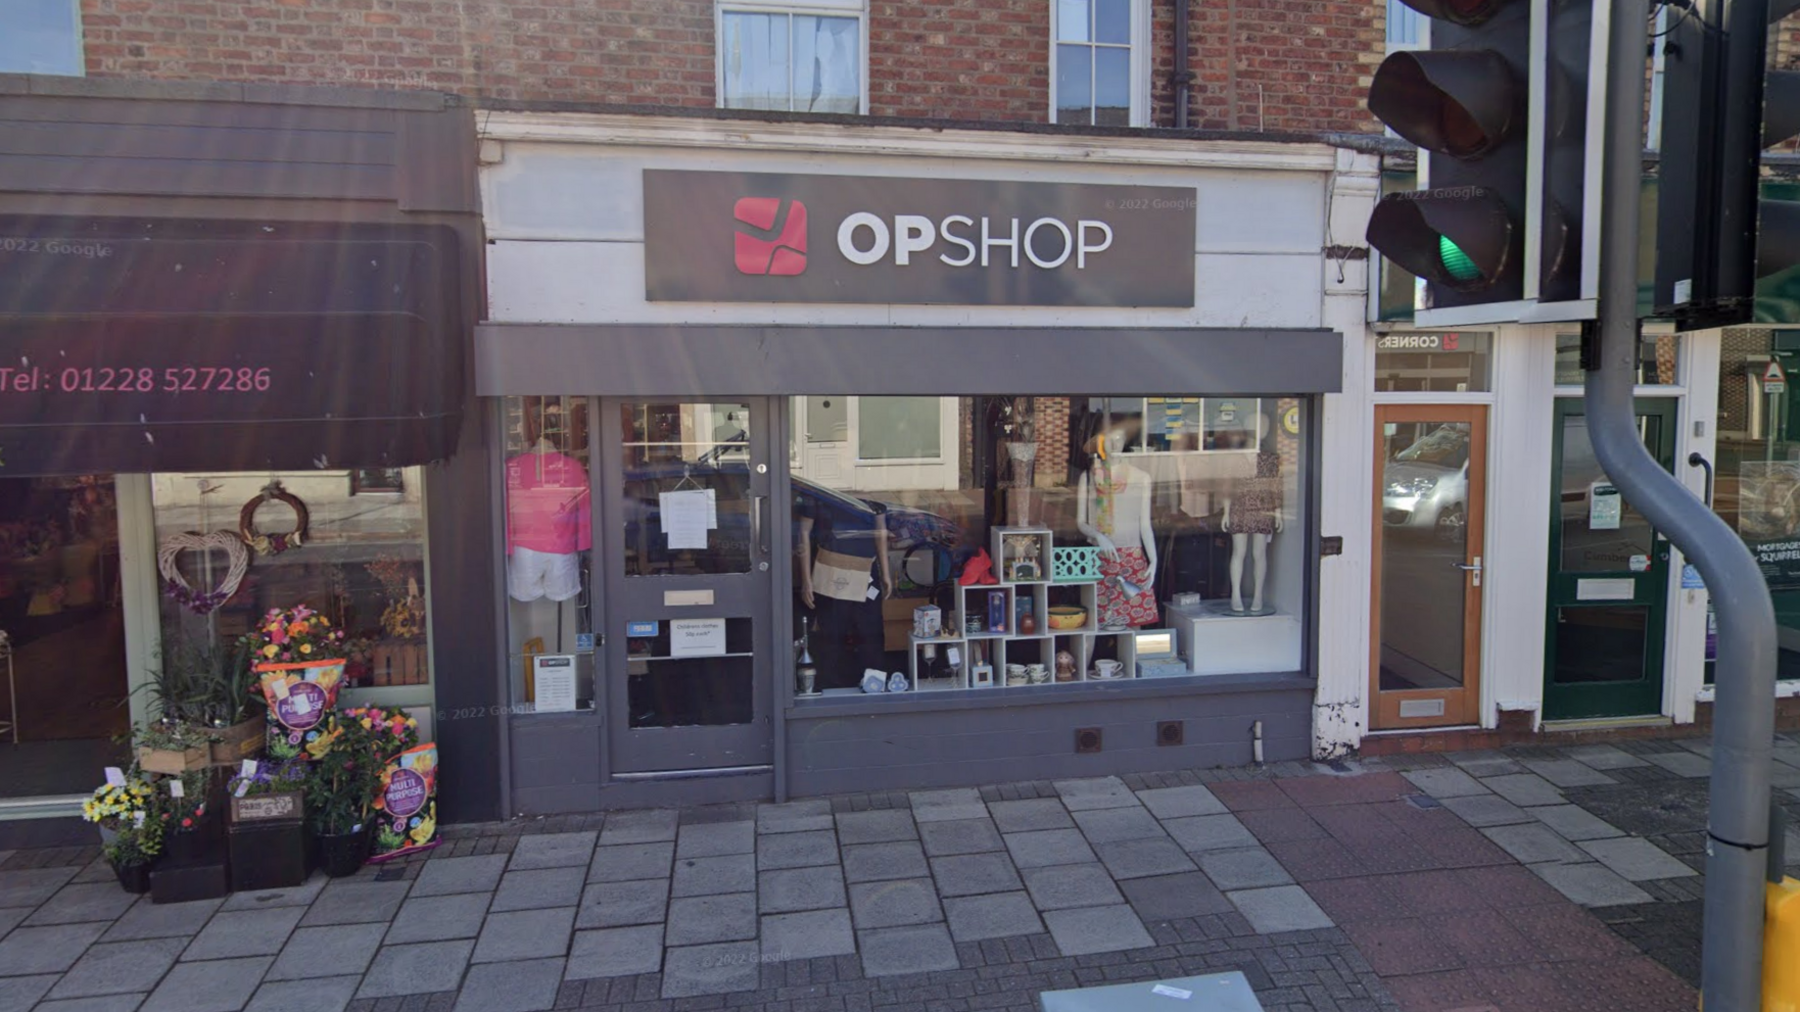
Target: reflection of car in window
[(1425, 487)]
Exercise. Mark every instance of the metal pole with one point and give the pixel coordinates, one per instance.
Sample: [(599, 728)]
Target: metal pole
[(1743, 708)]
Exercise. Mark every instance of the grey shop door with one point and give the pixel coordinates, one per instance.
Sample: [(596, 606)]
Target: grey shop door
[(687, 576)]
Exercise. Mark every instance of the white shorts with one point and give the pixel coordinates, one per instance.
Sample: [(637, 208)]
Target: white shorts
[(531, 575)]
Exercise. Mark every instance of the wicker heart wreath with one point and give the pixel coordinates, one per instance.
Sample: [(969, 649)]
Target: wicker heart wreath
[(197, 601)]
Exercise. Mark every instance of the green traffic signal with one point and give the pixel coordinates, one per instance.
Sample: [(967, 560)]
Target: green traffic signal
[(1456, 262)]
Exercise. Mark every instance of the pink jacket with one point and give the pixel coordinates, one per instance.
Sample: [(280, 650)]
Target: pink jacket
[(547, 504)]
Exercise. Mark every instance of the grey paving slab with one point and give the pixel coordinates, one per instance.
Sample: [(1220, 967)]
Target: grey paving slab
[(1209, 832), (697, 920), (961, 836), (1485, 763), (338, 948), (51, 949), (97, 870), (437, 918), (727, 873), (1782, 775), (1071, 885), (28, 887), (358, 901), (315, 994), (1045, 847), (244, 933), (293, 896), (1244, 868), (1635, 858), (444, 875), (1080, 931), (1029, 814), (711, 969), (220, 985), (119, 968), (75, 903), (1173, 897), (1567, 772), (616, 952), (17, 994), (1181, 802), (553, 850), (1095, 793), (1487, 809), (947, 806), (791, 889), (1143, 858), (655, 825), (1573, 822), (631, 861), (1525, 789), (1682, 764), (894, 903), (538, 888), (1533, 843), (102, 1003), (869, 862), (425, 968), (878, 826), (618, 904), (1591, 885), (1109, 825), (528, 985), (795, 816), (973, 874), (711, 839), (921, 948), (524, 934), (11, 916), (1445, 782), (1280, 908), (161, 920), (797, 850), (807, 934), (1603, 757), (995, 915)]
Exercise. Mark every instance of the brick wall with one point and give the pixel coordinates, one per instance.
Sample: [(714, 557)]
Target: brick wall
[(1275, 65)]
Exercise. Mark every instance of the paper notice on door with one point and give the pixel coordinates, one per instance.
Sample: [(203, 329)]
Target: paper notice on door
[(553, 678), (696, 637), (1605, 507), (686, 517)]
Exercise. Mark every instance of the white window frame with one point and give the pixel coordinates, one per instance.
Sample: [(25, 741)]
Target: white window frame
[(858, 9), (1140, 62), (79, 42), (1420, 22)]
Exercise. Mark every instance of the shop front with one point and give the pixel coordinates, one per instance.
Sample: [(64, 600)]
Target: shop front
[(233, 382), (891, 459)]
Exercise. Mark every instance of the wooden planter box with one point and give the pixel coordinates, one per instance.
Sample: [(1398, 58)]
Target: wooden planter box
[(238, 742), (171, 762)]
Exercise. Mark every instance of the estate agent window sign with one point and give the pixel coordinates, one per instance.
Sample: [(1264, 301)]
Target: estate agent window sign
[(788, 237)]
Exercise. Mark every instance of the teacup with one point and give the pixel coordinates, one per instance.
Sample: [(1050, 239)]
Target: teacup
[(1039, 673), (1108, 668)]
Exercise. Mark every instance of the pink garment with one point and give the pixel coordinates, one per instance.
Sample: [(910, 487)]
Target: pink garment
[(547, 504)]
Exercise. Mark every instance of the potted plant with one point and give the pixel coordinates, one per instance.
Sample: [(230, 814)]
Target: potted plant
[(267, 835), (392, 731), (172, 747), (342, 783), (131, 829), (299, 662), (210, 688)]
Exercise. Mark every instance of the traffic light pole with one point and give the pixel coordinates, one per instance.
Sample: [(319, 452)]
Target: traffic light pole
[(1743, 707)]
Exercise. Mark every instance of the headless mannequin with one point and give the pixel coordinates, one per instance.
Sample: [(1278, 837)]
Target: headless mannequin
[(1259, 510), (1128, 526)]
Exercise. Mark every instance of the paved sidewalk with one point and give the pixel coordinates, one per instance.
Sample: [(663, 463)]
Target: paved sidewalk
[(1425, 883)]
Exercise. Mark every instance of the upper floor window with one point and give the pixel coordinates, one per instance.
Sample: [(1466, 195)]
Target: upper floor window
[(1098, 62), (792, 58), (40, 37), (1402, 26)]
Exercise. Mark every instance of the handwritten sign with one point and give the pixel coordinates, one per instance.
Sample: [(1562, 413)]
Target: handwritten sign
[(696, 637), (266, 807)]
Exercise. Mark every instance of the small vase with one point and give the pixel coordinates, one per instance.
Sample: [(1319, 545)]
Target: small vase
[(341, 854), (1027, 624), (133, 878)]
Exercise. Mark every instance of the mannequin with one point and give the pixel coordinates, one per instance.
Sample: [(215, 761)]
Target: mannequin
[(1253, 517), (548, 522), (1113, 512), (850, 548)]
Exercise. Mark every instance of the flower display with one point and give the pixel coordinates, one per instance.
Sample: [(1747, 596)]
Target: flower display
[(404, 619), (394, 731), (269, 778), (131, 811), (296, 634)]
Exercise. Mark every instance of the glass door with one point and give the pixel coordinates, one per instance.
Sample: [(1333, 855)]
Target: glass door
[(1430, 488), (1609, 578), (688, 585)]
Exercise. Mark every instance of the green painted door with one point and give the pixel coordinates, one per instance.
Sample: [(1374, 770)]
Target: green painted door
[(1609, 577)]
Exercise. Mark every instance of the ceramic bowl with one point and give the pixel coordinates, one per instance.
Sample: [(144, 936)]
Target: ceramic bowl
[(1068, 616)]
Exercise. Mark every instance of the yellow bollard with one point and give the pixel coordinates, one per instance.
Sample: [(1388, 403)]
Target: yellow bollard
[(1781, 947)]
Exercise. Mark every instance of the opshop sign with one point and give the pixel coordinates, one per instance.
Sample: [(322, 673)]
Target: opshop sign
[(761, 237)]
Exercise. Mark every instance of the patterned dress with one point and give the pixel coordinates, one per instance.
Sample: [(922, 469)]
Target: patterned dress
[(1114, 607), (1256, 500)]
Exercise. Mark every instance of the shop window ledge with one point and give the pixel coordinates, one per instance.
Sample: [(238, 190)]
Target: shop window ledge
[(1079, 694)]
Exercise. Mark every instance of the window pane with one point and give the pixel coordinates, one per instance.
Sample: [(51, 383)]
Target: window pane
[(755, 63), (1602, 532), (1072, 21), (827, 65), (1657, 360), (680, 458), (893, 428), (40, 37), (1112, 86), (1112, 21), (827, 419), (1074, 84), (1402, 25), (1449, 362), (549, 538)]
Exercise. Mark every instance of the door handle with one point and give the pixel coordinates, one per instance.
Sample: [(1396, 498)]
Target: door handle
[(756, 523), (1473, 569)]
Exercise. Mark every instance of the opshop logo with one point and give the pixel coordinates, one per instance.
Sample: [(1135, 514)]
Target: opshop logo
[(782, 253)]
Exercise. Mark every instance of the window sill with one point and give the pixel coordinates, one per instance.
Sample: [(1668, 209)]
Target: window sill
[(1084, 693)]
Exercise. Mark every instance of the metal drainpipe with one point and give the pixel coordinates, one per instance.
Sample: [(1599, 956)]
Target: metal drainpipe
[(1182, 75), (1743, 711)]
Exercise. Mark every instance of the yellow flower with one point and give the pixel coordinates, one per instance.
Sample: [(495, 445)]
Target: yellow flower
[(271, 650), (306, 648), (324, 621), (365, 723)]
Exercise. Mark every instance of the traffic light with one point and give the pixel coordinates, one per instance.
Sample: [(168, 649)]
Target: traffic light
[(1492, 239)]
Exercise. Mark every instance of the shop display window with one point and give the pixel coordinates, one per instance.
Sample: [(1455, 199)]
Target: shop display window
[(1658, 360), (1047, 540), (1457, 362), (546, 468)]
